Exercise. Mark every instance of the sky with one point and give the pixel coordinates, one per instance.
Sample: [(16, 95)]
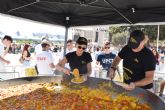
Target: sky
[(10, 25)]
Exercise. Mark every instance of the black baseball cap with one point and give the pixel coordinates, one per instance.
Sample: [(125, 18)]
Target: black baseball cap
[(82, 41), (135, 38)]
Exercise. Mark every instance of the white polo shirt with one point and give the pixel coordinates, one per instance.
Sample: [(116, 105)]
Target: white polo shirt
[(43, 60)]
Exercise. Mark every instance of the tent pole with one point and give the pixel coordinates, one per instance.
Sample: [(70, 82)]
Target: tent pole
[(66, 37), (157, 40), (66, 32)]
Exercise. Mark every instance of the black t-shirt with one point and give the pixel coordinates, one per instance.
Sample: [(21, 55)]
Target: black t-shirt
[(106, 60), (135, 64), (79, 62)]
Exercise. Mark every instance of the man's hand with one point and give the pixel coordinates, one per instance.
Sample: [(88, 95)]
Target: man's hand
[(129, 87), (111, 73)]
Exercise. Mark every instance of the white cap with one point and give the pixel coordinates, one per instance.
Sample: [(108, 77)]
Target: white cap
[(45, 42)]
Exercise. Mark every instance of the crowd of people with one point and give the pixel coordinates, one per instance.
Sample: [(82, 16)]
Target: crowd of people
[(139, 61)]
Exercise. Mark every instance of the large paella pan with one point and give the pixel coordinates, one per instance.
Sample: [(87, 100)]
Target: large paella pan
[(96, 92)]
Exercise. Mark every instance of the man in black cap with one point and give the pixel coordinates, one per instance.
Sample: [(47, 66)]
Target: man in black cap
[(138, 62), (77, 59)]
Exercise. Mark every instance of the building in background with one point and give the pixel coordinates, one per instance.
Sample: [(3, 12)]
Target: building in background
[(94, 35)]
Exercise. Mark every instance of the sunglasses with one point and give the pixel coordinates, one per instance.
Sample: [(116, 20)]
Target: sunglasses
[(107, 47), (81, 47)]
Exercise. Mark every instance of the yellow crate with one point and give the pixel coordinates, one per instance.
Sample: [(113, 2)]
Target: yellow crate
[(30, 72)]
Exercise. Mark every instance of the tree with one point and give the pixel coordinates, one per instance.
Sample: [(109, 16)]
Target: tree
[(120, 38), (162, 32), (150, 30)]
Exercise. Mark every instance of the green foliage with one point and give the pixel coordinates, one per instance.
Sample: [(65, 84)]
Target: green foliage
[(162, 32), (25, 41), (150, 30), (117, 29), (120, 38)]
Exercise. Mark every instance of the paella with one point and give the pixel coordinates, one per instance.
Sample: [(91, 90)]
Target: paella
[(52, 96)]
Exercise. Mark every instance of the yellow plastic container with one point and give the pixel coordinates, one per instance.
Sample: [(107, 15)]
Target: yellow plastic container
[(30, 71)]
